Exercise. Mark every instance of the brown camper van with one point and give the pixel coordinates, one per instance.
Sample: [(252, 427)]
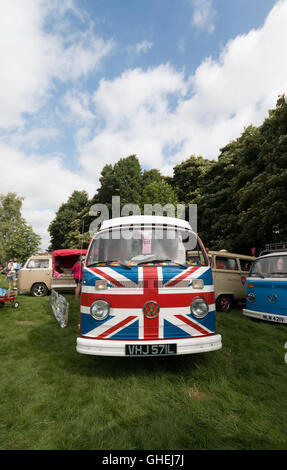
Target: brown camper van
[(47, 271), (229, 271)]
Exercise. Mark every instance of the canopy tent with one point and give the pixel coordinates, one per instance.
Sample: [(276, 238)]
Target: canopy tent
[(67, 257)]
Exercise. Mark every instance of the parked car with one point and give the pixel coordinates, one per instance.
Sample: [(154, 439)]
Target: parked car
[(230, 271), (266, 289), (46, 271)]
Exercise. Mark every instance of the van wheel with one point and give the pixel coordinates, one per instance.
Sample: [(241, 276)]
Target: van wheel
[(39, 290), (224, 303)]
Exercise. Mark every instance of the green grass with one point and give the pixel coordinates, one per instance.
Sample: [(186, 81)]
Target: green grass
[(51, 397)]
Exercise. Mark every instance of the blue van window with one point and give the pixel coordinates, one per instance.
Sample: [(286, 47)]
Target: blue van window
[(270, 266)]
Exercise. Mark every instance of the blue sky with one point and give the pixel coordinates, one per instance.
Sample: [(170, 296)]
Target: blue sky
[(87, 82)]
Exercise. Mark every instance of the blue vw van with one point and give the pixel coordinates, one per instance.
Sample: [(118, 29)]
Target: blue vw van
[(266, 288)]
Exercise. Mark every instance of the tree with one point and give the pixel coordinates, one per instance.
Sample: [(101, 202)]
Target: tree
[(263, 197), (17, 239), (243, 196), (124, 179), (188, 178), (79, 235), (159, 192), (151, 176), (68, 212)]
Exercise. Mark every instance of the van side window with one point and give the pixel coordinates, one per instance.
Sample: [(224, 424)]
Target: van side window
[(245, 264), (225, 263), (38, 263)]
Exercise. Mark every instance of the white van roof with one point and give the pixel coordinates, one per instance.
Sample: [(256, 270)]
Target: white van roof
[(274, 253), (145, 219)]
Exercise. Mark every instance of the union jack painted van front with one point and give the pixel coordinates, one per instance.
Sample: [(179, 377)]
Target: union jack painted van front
[(147, 290)]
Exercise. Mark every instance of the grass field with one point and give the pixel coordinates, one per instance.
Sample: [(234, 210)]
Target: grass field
[(54, 398)]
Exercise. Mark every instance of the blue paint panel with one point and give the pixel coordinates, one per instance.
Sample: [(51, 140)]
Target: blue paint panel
[(168, 272), (208, 321), (88, 323), (128, 333), (89, 278), (270, 296), (172, 331), (130, 273), (207, 277)]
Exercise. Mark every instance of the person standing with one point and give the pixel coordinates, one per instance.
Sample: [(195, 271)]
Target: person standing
[(77, 271), (17, 266), (11, 274)]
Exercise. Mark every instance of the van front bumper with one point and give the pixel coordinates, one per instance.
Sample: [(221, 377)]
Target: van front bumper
[(265, 316), (118, 348)]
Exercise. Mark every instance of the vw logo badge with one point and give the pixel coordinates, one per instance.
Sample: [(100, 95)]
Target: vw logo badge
[(273, 298), (151, 309)]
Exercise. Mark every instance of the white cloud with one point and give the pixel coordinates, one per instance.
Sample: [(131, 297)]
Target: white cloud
[(43, 182), (33, 137), (143, 46), (135, 110), (164, 116), (77, 106), (38, 49), (31, 56), (204, 15), (139, 48)]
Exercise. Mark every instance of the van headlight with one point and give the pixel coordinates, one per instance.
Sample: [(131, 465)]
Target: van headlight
[(100, 310), (197, 284), (100, 284), (199, 308), (251, 296)]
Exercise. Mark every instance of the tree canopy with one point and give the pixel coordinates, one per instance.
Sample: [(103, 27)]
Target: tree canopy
[(241, 197), (64, 230), (17, 239)]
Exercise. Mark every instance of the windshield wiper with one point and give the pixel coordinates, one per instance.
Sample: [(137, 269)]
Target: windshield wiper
[(258, 274), (123, 265), (278, 272)]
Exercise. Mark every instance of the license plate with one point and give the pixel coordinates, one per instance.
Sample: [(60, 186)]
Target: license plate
[(273, 318), (151, 349)]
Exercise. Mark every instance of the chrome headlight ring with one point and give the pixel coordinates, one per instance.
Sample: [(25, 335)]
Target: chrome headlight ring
[(100, 310), (199, 308)]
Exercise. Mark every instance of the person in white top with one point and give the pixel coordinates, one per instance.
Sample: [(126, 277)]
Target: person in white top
[(11, 274)]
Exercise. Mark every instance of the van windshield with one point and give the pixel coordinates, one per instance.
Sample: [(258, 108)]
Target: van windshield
[(271, 266), (135, 246)]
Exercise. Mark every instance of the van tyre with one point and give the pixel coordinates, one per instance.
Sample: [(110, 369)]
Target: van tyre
[(39, 290), (224, 303)]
